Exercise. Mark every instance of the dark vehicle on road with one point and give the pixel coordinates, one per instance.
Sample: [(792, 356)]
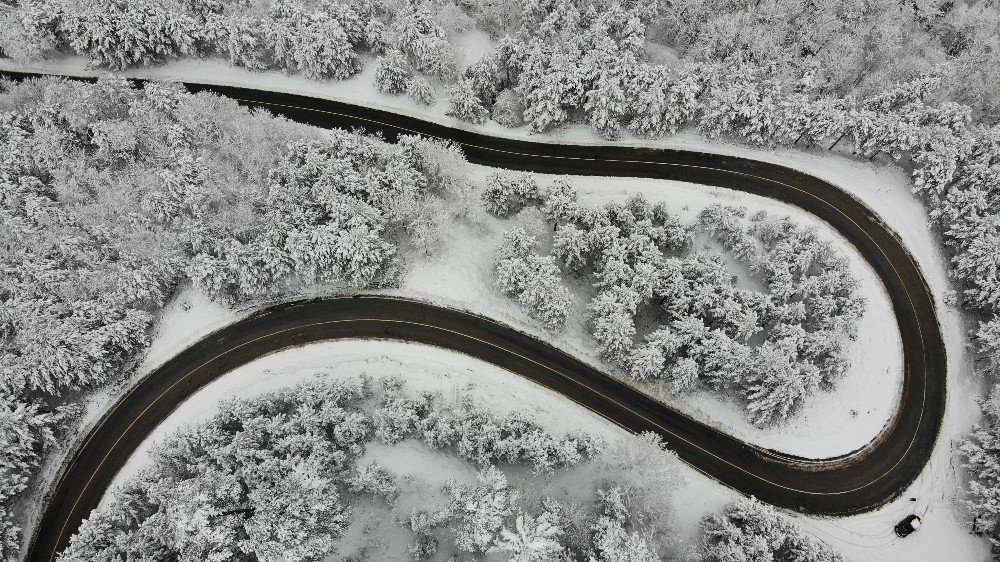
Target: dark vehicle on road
[(908, 525)]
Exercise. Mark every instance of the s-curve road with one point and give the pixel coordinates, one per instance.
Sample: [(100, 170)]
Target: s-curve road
[(851, 483)]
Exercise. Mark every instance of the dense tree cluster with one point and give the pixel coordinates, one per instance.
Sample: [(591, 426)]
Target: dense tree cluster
[(507, 193), (393, 75), (465, 104), (319, 39), (761, 73), (809, 312), (629, 520), (614, 539), (533, 279), (267, 478), (750, 530), (844, 49), (981, 450), (111, 195), (561, 56), (278, 477), (476, 435), (325, 208), (772, 348)]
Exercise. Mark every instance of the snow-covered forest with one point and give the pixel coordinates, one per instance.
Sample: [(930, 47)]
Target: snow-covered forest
[(697, 324), (286, 476), (913, 83), (113, 195), (551, 55)]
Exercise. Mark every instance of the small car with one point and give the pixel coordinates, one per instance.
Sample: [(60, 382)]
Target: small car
[(908, 525)]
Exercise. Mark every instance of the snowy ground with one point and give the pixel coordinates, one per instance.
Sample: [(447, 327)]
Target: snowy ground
[(454, 376), (865, 537), (451, 375), (186, 318), (885, 189), (424, 368), (830, 423)]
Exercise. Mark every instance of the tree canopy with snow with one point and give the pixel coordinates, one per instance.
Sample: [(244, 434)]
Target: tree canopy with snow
[(113, 195), (772, 348), (750, 530), (534, 280), (283, 476)]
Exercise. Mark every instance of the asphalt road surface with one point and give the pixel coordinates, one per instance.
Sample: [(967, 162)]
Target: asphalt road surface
[(852, 483)]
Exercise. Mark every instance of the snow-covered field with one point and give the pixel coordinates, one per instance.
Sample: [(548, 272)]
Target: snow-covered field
[(885, 189)]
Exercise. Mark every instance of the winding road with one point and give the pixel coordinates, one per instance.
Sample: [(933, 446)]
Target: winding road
[(852, 483)]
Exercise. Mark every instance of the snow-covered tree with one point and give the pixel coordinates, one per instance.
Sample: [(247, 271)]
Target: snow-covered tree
[(484, 438), (375, 479), (465, 104), (665, 99), (434, 55), (551, 84), (420, 91), (399, 416), (481, 510), (613, 315), (777, 384), (124, 34), (391, 73), (507, 193), (27, 431), (741, 101), (571, 245), (534, 280), (314, 42), (642, 465), (559, 202), (612, 538), (531, 539), (184, 195), (606, 103), (649, 361), (750, 530), (988, 338), (424, 547), (983, 462), (242, 37), (508, 110), (484, 78), (297, 517)]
